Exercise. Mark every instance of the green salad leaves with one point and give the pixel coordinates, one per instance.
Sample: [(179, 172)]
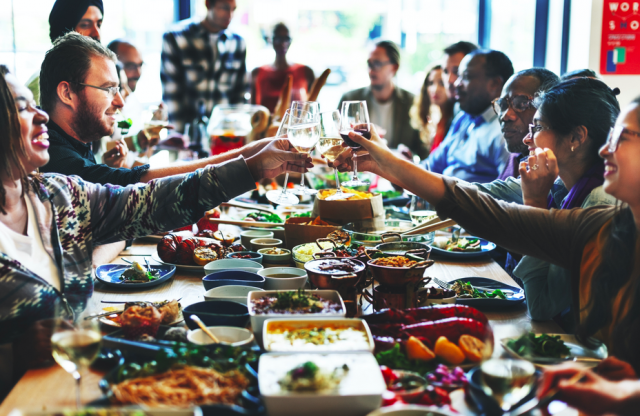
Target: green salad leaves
[(543, 345)]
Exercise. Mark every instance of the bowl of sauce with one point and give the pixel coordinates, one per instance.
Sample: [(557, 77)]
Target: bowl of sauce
[(283, 278)]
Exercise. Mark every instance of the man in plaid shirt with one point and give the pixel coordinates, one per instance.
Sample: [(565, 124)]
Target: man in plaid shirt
[(202, 62)]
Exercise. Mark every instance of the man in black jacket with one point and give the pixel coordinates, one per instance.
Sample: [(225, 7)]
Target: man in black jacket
[(388, 104)]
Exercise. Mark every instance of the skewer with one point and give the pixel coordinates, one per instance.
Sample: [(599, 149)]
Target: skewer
[(245, 223), (247, 206), (431, 227)]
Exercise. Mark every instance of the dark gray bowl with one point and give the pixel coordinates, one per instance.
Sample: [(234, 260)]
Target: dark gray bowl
[(217, 313), (232, 278)]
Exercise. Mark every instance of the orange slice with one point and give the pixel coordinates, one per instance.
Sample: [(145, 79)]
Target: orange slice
[(416, 350), (448, 351), (472, 347)]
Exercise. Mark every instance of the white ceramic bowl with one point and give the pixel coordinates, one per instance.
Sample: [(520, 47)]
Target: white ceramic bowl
[(283, 283), (284, 258), (229, 335), (272, 330), (258, 243), (247, 236), (359, 392), (232, 264), (231, 293)]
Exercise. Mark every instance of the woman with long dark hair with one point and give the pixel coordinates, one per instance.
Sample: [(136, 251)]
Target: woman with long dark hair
[(432, 111), (598, 244)]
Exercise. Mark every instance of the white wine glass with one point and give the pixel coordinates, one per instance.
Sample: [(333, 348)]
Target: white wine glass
[(284, 197), (421, 211), (304, 133), (507, 381), (313, 108), (330, 146), (354, 117), (75, 342)]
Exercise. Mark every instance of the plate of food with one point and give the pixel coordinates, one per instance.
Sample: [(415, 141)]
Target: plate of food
[(134, 276), (170, 312), (550, 349), (481, 292), (193, 253), (183, 378), (465, 247)]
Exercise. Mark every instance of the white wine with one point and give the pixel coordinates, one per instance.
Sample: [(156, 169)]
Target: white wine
[(153, 128), (303, 137), (74, 350), (330, 147), (507, 381), (419, 217)]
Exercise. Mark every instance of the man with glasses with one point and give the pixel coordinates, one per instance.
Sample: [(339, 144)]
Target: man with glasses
[(130, 58), (202, 62), (388, 104)]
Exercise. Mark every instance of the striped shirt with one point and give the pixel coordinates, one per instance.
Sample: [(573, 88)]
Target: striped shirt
[(196, 70)]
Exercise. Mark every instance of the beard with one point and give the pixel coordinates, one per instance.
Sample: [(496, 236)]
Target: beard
[(89, 125)]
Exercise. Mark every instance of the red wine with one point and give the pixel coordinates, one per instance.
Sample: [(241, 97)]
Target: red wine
[(345, 136)]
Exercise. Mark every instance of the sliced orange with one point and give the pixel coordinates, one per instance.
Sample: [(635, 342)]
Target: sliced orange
[(448, 351), (416, 350), (472, 347), (204, 255)]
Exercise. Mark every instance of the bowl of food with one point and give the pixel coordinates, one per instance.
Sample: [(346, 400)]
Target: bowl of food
[(233, 265), (304, 252), (230, 293), (247, 236), (258, 243), (217, 313), (275, 255), (283, 278), (398, 270), (407, 385), (293, 304), (317, 335), (246, 255), (345, 383), (436, 295), (232, 278), (227, 335), (334, 273)]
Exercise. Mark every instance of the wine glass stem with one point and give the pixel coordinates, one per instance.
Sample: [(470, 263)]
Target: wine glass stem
[(302, 178), (286, 181), (76, 375), (338, 181), (355, 167)]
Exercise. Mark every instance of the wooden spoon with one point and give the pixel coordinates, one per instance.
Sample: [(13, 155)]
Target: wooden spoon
[(197, 320)]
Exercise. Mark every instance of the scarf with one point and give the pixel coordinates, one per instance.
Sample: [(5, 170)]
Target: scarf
[(593, 178)]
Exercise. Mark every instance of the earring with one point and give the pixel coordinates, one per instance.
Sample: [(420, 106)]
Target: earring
[(572, 148)]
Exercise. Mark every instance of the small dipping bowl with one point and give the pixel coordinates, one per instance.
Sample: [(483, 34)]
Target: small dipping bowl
[(284, 258), (247, 236), (217, 313), (230, 293), (253, 256), (258, 243), (232, 278), (296, 278), (227, 335), (232, 265)]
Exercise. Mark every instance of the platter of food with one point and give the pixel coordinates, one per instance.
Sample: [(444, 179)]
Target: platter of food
[(135, 276), (317, 335), (193, 253), (550, 349), (170, 312), (465, 247), (369, 232), (481, 292)]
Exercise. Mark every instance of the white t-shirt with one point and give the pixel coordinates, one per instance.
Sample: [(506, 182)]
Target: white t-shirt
[(29, 250), (382, 115)]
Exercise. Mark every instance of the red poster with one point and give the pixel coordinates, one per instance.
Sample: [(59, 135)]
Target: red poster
[(620, 47)]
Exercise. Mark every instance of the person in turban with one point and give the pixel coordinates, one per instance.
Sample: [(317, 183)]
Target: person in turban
[(82, 16)]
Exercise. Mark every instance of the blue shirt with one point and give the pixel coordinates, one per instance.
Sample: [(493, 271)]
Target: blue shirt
[(473, 150)]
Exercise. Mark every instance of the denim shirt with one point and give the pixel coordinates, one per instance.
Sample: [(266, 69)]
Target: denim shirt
[(547, 286)]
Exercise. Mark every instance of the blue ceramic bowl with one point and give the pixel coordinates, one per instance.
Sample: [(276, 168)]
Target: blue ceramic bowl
[(232, 277), (257, 257), (217, 313)]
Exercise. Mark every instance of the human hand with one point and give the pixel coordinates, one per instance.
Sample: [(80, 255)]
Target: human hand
[(614, 369), (161, 113), (277, 157), (373, 153), (255, 147), (116, 157), (539, 178)]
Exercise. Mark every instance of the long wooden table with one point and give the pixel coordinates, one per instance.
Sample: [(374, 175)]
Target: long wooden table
[(52, 387)]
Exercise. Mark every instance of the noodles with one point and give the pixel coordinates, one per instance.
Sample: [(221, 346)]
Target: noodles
[(397, 261), (183, 387)]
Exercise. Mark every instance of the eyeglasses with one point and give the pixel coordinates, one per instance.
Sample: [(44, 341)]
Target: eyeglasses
[(281, 39), (614, 137), (111, 90), (533, 129), (519, 103), (376, 65), (132, 66)]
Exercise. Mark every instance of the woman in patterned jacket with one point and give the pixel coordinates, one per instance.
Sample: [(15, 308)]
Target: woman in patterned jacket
[(49, 223)]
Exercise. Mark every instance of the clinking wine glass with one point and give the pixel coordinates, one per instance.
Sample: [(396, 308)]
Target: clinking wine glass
[(313, 108), (304, 133), (284, 197), (75, 342), (354, 118), (330, 146)]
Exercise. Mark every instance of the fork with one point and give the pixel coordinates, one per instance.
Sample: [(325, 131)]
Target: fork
[(446, 285)]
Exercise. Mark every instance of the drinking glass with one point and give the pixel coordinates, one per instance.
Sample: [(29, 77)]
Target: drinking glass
[(153, 129), (75, 342), (330, 146), (313, 108), (421, 211), (507, 381), (304, 133), (354, 118), (284, 197)]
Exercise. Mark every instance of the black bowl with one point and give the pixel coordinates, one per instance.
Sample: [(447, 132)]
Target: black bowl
[(232, 278), (486, 404), (217, 313)]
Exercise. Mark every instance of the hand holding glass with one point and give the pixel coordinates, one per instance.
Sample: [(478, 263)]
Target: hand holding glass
[(330, 146), (354, 117)]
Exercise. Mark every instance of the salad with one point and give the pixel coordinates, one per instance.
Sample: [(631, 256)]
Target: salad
[(543, 345), (262, 217), (308, 377), (463, 244), (137, 273), (466, 290)]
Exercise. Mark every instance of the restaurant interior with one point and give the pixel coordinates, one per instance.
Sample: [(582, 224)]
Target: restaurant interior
[(292, 207)]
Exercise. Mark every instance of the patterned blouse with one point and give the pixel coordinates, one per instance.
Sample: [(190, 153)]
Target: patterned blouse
[(73, 216)]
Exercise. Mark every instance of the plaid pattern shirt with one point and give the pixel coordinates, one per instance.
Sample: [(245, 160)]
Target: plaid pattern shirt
[(194, 71)]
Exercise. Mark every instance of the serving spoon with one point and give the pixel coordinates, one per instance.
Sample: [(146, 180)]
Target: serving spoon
[(197, 320)]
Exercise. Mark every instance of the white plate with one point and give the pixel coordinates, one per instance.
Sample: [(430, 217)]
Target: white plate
[(184, 268), (579, 353), (358, 393), (109, 322)]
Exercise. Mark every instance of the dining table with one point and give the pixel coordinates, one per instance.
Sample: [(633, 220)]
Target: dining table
[(53, 388)]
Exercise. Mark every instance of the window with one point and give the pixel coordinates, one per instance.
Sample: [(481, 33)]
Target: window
[(512, 30)]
